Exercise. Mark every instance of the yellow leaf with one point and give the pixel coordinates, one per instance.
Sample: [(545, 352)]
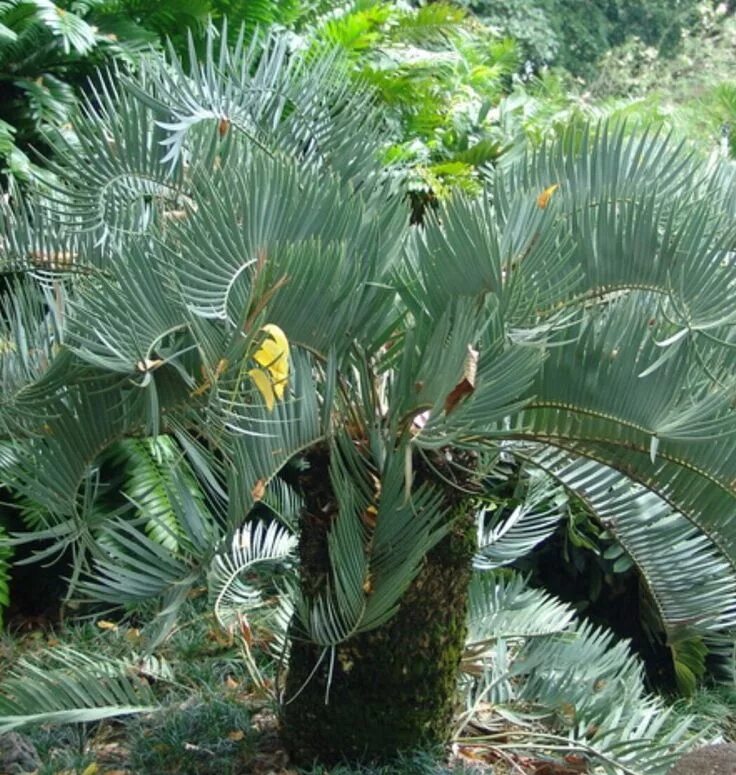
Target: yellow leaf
[(105, 625), (278, 335), (236, 735), (92, 769), (546, 195), (273, 355), (268, 354), (279, 387), (263, 383)]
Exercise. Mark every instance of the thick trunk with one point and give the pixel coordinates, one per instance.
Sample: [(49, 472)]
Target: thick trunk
[(391, 689)]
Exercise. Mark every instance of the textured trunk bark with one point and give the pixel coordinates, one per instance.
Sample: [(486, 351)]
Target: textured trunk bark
[(391, 689)]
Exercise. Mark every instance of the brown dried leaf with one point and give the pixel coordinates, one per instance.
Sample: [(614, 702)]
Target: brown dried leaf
[(466, 386), (259, 490), (546, 195)]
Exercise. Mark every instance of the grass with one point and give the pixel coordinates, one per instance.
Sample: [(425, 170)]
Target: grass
[(216, 721)]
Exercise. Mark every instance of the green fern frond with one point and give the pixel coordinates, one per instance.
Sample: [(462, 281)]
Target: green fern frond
[(151, 466)]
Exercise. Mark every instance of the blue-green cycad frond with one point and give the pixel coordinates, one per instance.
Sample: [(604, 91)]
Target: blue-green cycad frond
[(505, 607), (136, 565), (44, 241), (529, 656), (606, 160), (684, 570), (31, 336), (513, 254), (64, 686), (376, 542), (300, 238), (129, 321), (505, 535), (51, 467), (113, 183), (611, 382), (258, 442), (661, 426), (232, 587), (643, 213), (266, 95), (131, 565)]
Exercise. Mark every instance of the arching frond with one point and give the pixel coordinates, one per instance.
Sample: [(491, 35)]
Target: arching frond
[(274, 232), (259, 442), (376, 543), (67, 686), (52, 467), (505, 537), (269, 97), (114, 184), (231, 593), (529, 655), (34, 239), (690, 582), (31, 334), (502, 608)]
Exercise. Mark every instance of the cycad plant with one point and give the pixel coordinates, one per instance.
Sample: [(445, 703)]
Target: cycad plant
[(224, 263), (48, 51)]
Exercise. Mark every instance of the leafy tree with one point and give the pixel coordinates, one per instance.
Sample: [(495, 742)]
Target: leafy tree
[(225, 262), (575, 35), (438, 73)]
